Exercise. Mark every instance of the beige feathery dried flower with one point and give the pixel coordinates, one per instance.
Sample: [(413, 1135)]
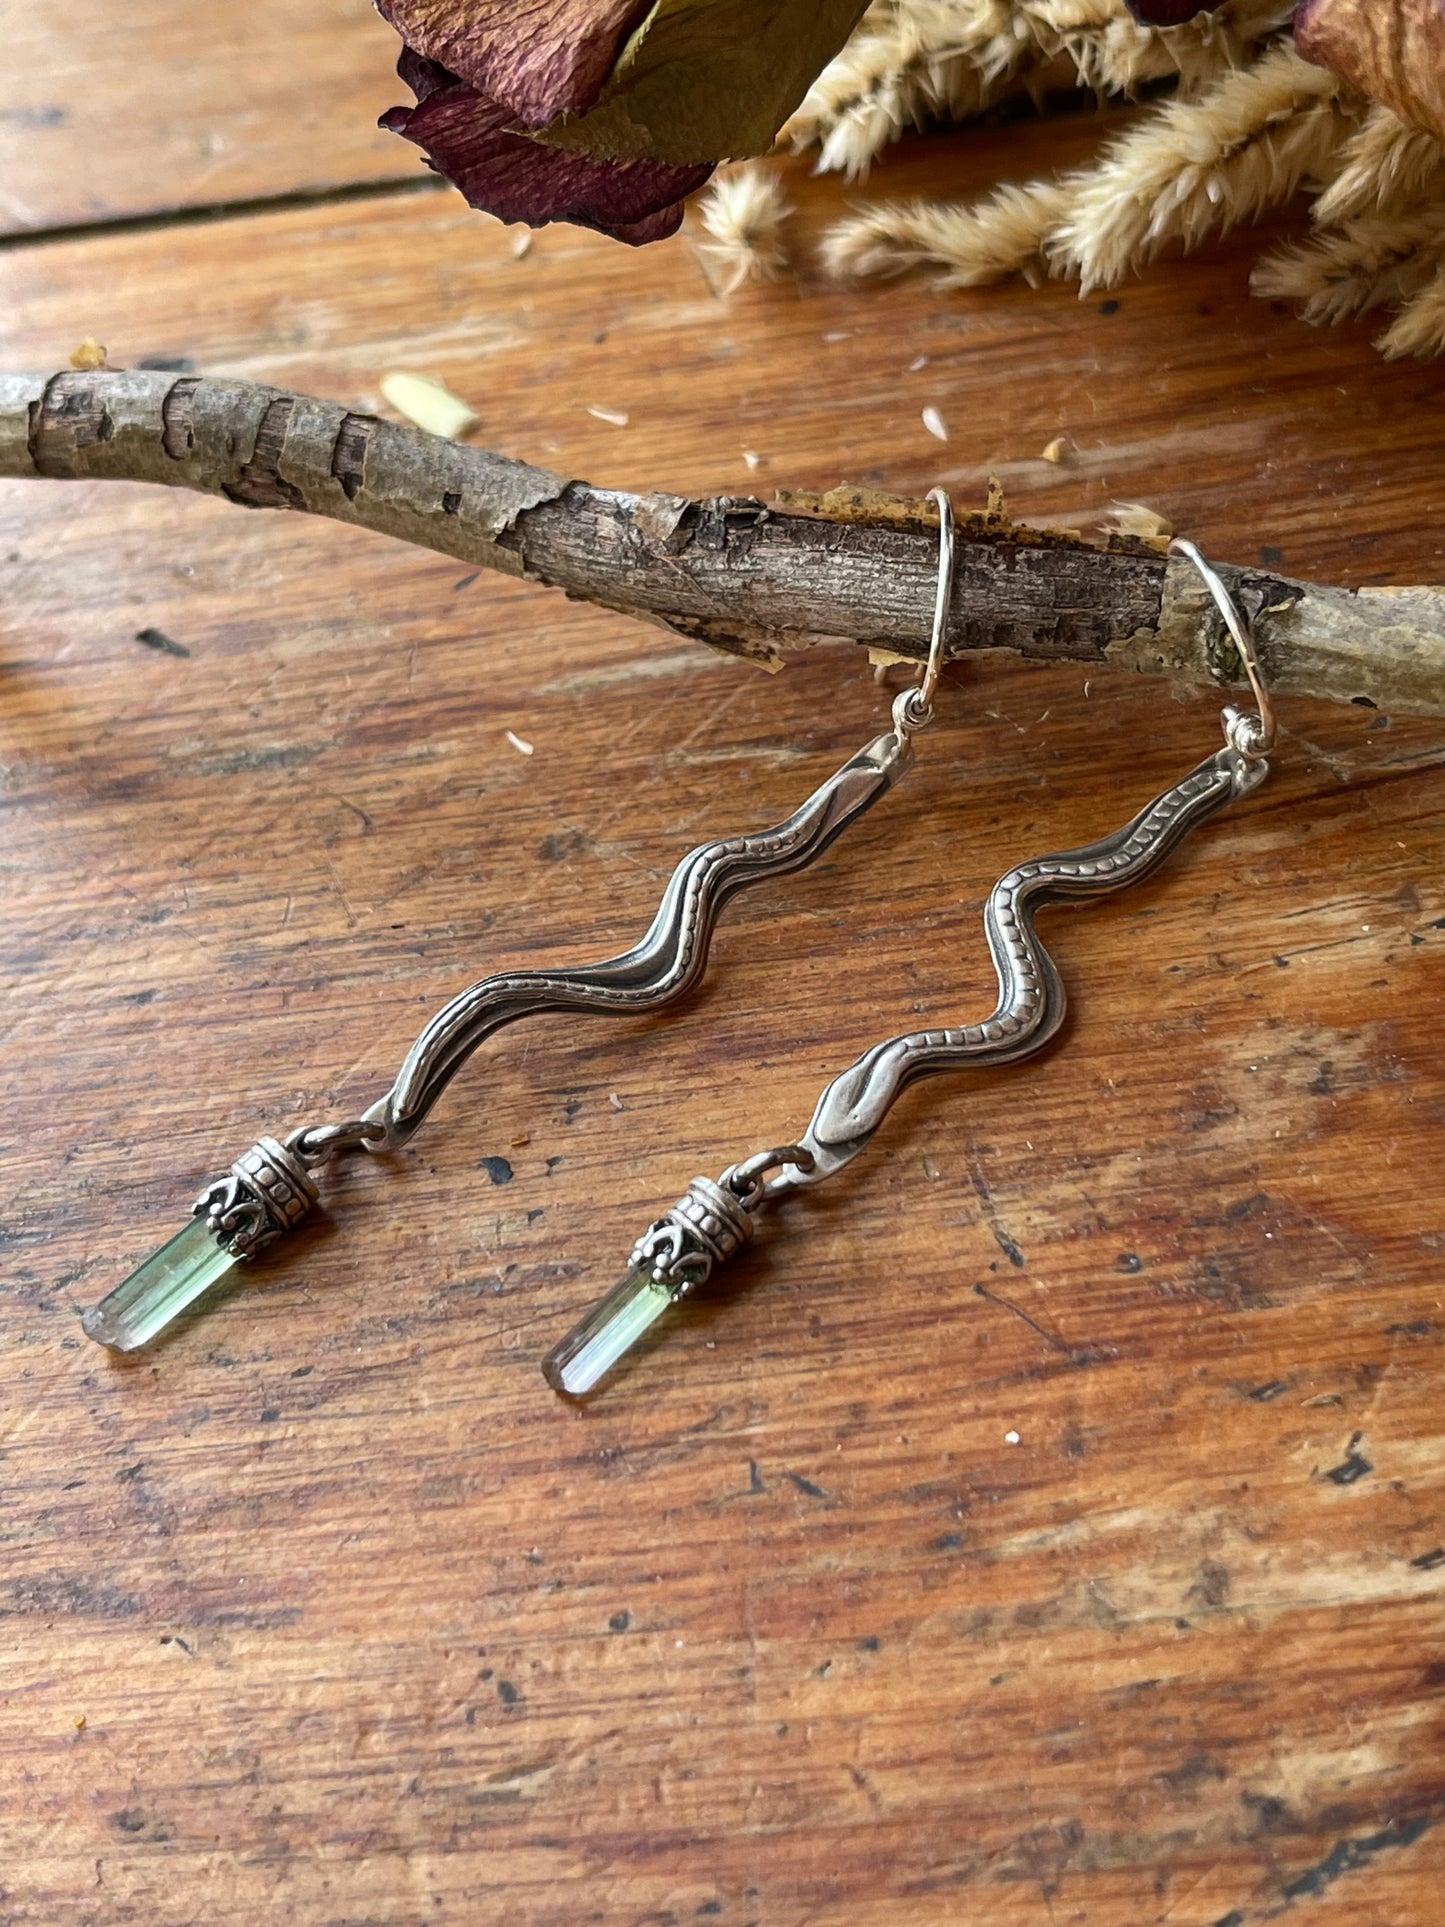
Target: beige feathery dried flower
[(1199, 167), (1189, 169), (744, 212), (909, 62), (914, 61), (1002, 235), (1363, 264), (1419, 328), (1385, 167), (1249, 124)]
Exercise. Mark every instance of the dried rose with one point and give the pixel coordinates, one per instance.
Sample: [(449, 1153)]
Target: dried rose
[(1391, 49), (537, 58), (604, 112), (481, 147)]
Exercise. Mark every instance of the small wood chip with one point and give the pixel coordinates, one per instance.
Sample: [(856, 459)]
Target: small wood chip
[(1057, 449), (522, 246), (752, 458), (935, 424), (617, 416), (89, 355), (430, 404), (519, 743)]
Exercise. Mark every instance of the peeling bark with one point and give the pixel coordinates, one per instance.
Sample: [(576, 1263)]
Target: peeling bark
[(733, 573)]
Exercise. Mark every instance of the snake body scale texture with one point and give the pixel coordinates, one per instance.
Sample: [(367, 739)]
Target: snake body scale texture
[(1031, 1001)]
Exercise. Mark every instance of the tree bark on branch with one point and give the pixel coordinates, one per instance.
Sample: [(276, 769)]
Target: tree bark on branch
[(757, 580)]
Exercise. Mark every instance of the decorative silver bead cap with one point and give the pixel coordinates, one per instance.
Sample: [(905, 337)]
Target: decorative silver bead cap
[(705, 1227), (266, 1193)]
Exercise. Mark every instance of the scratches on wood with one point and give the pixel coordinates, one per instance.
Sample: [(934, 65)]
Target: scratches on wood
[(327, 1610)]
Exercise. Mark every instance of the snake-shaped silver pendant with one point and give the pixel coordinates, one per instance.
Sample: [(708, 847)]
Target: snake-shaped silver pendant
[(664, 965), (1031, 1000), (713, 1220), (271, 1188)]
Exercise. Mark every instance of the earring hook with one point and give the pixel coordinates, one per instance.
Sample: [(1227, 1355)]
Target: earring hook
[(914, 707), (1258, 739)]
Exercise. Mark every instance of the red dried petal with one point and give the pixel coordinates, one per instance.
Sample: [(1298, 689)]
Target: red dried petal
[(539, 58), (423, 76), (477, 144)]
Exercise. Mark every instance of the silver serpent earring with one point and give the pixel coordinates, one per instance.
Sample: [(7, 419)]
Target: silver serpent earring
[(714, 1220), (269, 1190)]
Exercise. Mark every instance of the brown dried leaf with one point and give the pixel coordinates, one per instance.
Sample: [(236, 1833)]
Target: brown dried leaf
[(709, 80)]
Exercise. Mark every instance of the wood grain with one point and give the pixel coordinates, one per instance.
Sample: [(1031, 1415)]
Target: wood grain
[(112, 113), (361, 1623)]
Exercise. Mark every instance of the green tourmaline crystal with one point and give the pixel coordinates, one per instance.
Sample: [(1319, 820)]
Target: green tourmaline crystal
[(611, 1328), (170, 1280)]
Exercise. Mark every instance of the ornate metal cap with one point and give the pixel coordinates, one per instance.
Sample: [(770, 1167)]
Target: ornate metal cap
[(705, 1227), (266, 1193)]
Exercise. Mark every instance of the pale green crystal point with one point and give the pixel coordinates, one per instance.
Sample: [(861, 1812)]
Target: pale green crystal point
[(612, 1327), (169, 1280)]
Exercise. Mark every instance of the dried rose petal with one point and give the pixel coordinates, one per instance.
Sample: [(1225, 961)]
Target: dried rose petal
[(540, 58), (1391, 49), (478, 145), (1170, 13)]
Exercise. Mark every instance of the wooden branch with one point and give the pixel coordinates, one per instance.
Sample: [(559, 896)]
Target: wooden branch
[(733, 573)]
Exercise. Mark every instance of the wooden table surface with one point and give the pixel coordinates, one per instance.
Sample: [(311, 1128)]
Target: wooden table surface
[(327, 1611)]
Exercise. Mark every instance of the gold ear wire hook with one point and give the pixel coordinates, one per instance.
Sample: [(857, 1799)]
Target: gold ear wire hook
[(1258, 741), (914, 707)]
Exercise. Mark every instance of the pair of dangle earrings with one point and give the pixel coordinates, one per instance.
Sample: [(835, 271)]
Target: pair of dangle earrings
[(274, 1185)]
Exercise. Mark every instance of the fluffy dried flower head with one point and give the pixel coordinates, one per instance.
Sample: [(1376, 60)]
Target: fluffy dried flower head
[(1250, 122), (743, 214)]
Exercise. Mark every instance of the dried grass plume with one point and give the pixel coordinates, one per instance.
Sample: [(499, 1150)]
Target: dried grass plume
[(744, 213), (1246, 125)]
